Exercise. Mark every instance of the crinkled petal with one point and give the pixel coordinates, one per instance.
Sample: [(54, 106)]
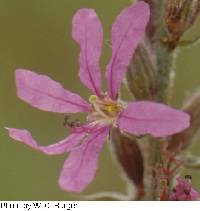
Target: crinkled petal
[(127, 32), (61, 147), (156, 119), (184, 191), (87, 31), (46, 94), (80, 167), (195, 196)]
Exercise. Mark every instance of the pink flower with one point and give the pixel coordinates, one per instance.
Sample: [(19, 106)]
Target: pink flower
[(104, 110), (184, 191)]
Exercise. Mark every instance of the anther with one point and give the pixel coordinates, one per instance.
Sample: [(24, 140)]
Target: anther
[(93, 98)]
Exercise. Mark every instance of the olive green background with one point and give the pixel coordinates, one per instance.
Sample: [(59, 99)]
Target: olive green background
[(36, 35)]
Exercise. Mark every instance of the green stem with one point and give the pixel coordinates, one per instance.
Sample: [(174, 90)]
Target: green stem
[(149, 78), (165, 59), (153, 171), (164, 68)]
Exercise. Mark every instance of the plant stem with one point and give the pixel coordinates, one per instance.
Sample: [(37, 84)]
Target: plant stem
[(164, 68)]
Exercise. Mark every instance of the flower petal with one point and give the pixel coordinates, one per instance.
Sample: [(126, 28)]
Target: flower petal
[(61, 147), (183, 191), (127, 31), (43, 93), (87, 31), (156, 119), (80, 168)]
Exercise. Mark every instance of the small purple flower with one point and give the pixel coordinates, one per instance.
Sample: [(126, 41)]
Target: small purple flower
[(184, 191), (104, 110)]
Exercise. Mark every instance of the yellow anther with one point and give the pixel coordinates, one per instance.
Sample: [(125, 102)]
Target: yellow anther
[(93, 98), (112, 108), (104, 108), (108, 108)]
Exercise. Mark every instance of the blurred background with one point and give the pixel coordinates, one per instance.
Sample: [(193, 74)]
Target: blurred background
[(36, 35)]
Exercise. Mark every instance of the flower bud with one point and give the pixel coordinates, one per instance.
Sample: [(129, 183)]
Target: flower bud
[(180, 16), (142, 76), (130, 158)]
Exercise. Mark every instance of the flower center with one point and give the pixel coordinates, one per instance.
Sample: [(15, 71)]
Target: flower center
[(105, 110)]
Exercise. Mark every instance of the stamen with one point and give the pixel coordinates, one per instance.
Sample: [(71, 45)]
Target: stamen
[(93, 99), (99, 110), (105, 110), (112, 108)]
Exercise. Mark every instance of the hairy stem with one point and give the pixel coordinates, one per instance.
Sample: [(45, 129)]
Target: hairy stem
[(164, 72), (149, 77)]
